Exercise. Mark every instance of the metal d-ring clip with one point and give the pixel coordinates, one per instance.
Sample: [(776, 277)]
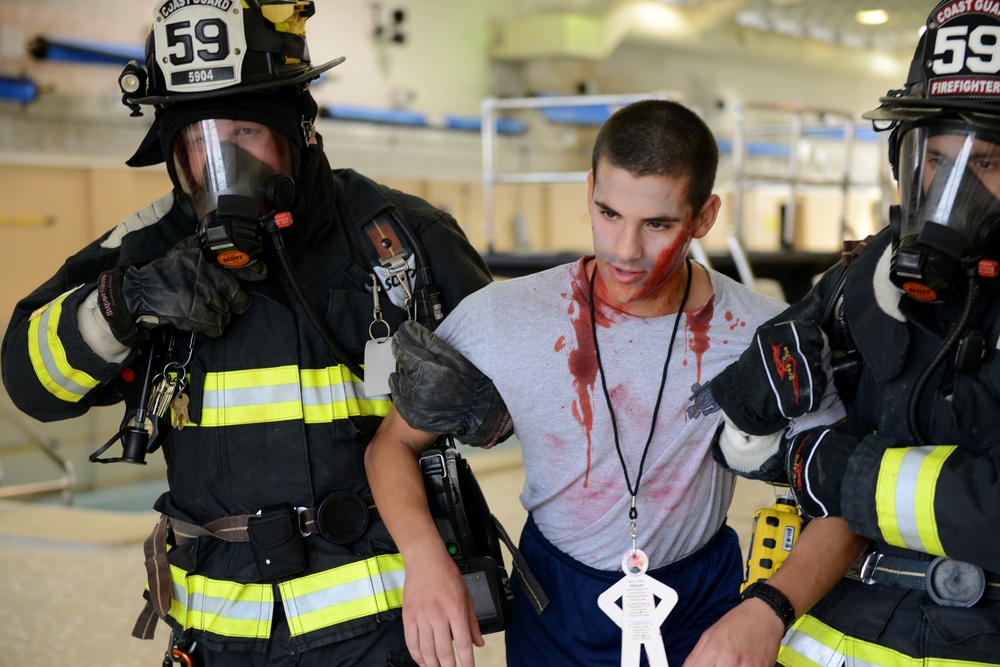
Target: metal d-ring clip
[(180, 368), (377, 314), (399, 269), (866, 574)]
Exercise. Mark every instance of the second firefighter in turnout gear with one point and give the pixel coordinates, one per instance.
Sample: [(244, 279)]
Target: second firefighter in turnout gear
[(913, 320), (248, 286)]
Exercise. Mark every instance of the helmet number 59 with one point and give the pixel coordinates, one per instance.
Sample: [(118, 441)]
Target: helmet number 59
[(210, 33), (954, 42)]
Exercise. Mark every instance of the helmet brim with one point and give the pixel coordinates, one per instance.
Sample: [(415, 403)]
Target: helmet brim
[(301, 77), (917, 108), (149, 151)]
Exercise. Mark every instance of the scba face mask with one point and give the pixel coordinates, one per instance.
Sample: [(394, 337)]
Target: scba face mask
[(236, 174), (949, 178)]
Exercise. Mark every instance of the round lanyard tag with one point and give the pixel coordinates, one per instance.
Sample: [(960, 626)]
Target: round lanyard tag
[(200, 46)]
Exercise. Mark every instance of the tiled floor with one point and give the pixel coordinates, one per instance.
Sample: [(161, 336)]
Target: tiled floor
[(72, 577)]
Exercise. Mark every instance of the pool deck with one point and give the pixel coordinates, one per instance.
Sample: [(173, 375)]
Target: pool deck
[(73, 577)]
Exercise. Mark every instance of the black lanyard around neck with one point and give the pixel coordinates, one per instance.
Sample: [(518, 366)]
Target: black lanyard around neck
[(633, 513)]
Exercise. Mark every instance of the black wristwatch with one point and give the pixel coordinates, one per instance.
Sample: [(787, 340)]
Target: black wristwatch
[(774, 598)]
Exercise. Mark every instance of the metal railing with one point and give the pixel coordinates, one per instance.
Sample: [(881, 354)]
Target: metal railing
[(795, 179), (65, 483), (491, 177)]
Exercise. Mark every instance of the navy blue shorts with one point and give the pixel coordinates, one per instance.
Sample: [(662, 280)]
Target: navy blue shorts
[(574, 631)]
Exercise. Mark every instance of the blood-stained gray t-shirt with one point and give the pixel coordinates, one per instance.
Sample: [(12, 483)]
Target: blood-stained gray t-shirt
[(532, 336)]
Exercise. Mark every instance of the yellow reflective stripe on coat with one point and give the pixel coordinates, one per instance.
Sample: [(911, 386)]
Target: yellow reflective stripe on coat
[(312, 602), (221, 607), (263, 395), (335, 393), (904, 497), (363, 589), (48, 356), (812, 643)]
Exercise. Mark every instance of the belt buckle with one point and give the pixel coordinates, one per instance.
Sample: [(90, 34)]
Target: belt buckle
[(954, 583), (302, 520), (867, 571)]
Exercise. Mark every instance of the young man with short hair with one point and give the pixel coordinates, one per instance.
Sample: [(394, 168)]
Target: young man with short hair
[(603, 365)]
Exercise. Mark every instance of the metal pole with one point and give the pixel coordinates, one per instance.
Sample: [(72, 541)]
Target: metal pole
[(738, 157), (846, 184), (788, 233), (489, 177)]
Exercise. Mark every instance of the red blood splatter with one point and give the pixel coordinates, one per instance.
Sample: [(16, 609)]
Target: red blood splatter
[(667, 265), (729, 316), (561, 343), (583, 359), (583, 362), (698, 323)]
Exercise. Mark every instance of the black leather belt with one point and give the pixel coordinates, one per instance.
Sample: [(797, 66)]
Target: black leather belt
[(949, 582)]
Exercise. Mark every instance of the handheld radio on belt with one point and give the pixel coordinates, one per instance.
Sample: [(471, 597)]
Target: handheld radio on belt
[(469, 532)]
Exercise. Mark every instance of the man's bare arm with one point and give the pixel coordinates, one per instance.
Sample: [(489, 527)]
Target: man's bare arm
[(750, 634), (437, 606)]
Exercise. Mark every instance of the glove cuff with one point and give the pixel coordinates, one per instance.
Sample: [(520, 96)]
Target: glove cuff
[(749, 456), (495, 426), (111, 304)]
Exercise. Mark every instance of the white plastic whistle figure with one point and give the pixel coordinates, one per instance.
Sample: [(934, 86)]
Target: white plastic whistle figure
[(640, 614)]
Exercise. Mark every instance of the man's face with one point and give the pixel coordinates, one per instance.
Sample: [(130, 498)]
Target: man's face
[(981, 158), (642, 227), (258, 140)]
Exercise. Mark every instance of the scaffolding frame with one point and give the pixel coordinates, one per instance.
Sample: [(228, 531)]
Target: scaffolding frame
[(490, 107), (743, 179)]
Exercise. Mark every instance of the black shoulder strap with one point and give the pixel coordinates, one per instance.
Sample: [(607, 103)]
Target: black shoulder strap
[(845, 357), (391, 250), (851, 249)]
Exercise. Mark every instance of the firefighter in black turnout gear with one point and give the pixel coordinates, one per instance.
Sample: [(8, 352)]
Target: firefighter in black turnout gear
[(232, 317), (913, 320)]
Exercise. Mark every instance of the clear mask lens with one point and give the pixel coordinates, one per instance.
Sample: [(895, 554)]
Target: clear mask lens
[(950, 176), (216, 158)]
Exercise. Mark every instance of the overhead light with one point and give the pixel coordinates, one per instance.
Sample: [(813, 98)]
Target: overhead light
[(871, 16)]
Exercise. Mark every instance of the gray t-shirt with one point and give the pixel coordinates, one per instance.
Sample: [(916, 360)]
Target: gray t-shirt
[(532, 336)]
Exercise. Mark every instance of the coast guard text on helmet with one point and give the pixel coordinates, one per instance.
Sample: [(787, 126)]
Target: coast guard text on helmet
[(171, 7), (960, 7)]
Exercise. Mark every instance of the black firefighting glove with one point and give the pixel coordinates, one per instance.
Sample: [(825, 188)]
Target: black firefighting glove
[(779, 377), (439, 391), (816, 463), (182, 288)]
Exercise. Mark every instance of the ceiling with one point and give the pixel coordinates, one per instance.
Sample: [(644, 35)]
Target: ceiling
[(834, 21), (829, 21)]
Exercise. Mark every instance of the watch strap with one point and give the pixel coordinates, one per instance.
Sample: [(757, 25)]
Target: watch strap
[(774, 598)]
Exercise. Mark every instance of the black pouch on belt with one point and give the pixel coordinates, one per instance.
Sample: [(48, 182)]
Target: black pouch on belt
[(277, 542)]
